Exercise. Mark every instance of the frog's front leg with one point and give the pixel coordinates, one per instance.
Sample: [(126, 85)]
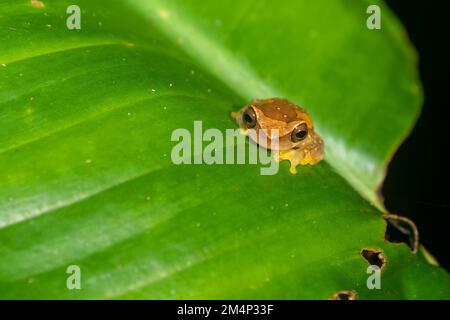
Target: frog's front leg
[(295, 157)]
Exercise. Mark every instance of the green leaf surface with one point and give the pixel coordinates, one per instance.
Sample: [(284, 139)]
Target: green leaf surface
[(86, 176)]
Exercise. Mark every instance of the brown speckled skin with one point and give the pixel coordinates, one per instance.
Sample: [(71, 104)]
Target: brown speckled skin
[(284, 115)]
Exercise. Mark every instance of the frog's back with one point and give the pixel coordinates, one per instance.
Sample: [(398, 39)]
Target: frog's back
[(278, 109)]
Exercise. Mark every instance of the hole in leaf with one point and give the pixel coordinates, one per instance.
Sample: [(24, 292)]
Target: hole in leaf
[(374, 257), (401, 230), (344, 295)]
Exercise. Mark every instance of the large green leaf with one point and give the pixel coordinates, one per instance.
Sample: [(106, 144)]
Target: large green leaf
[(86, 176)]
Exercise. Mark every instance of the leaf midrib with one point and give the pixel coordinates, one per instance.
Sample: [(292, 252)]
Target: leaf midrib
[(235, 74)]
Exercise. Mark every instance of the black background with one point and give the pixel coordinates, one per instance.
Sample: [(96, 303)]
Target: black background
[(418, 178)]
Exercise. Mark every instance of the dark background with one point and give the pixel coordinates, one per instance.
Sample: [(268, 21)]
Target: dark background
[(418, 178)]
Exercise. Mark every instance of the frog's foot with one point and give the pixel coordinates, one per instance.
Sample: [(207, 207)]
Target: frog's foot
[(308, 159), (234, 115), (294, 156), (311, 158)]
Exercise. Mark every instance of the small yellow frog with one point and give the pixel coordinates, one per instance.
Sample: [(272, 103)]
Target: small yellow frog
[(297, 140)]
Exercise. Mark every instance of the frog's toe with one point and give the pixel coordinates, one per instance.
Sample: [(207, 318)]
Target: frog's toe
[(293, 169)]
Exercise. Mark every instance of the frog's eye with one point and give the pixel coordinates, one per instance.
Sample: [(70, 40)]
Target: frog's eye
[(299, 133), (249, 117)]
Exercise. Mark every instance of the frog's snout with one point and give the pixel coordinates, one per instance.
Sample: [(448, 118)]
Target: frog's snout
[(316, 149)]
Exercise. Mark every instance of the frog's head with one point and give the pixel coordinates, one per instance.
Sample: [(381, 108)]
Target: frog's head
[(294, 127)]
